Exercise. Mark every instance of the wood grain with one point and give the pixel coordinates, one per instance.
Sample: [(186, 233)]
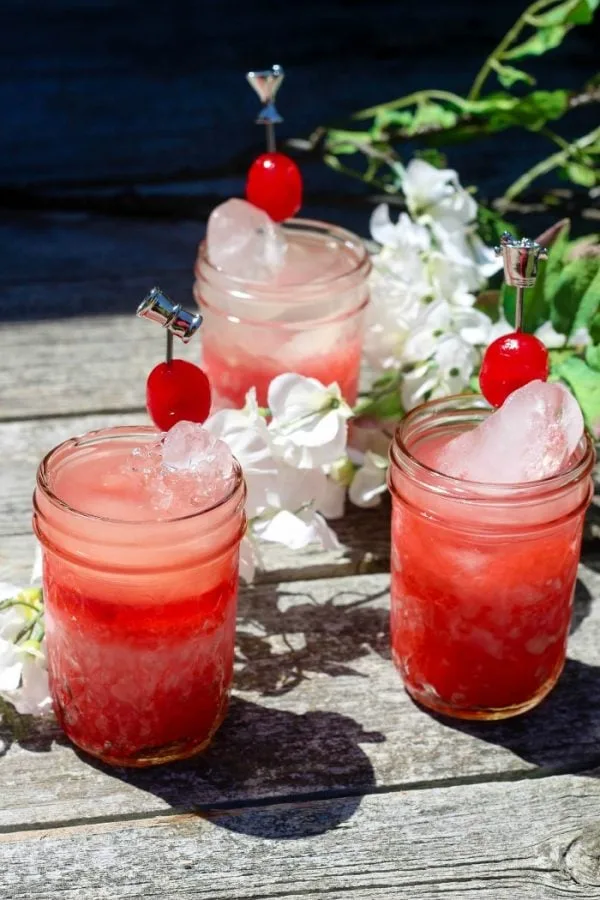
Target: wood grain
[(534, 840), (318, 707)]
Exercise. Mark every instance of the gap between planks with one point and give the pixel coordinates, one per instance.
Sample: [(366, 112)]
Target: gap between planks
[(82, 824)]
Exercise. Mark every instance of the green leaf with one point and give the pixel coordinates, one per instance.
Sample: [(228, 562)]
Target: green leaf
[(585, 384), (536, 307), (433, 157), (589, 306), (572, 285), (594, 329), (580, 174), (508, 75), (543, 40), (592, 357), (532, 111), (432, 114), (556, 260), (491, 226), (575, 12)]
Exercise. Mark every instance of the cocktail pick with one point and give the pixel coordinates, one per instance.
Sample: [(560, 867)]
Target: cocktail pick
[(274, 181), (266, 83), (515, 359), (176, 390)]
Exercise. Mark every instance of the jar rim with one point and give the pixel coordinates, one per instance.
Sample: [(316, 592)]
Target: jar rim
[(115, 433), (344, 235), (480, 491)]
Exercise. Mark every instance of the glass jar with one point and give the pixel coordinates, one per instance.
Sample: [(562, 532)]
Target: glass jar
[(140, 615), (308, 320), (483, 575)]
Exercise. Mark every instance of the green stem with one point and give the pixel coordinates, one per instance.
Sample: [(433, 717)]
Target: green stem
[(551, 162), (510, 36), (411, 100)]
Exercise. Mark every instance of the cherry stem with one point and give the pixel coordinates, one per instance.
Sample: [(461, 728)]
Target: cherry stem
[(271, 147), (519, 308), (169, 352)]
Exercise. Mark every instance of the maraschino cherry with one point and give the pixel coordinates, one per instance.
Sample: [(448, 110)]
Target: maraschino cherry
[(515, 359), (275, 185), (176, 390), (509, 363)]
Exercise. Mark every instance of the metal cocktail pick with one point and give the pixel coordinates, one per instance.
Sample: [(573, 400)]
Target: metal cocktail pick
[(266, 84), (157, 307), (520, 259)]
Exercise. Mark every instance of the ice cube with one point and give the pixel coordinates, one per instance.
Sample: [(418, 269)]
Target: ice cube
[(244, 241), (188, 447), (532, 436)]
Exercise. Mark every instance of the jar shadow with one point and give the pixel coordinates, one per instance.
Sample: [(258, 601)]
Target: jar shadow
[(269, 773)]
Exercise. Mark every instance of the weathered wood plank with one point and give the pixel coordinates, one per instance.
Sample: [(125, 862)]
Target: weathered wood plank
[(87, 364), (535, 840), (318, 707)]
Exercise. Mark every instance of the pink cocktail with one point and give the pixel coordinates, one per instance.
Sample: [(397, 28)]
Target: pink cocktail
[(307, 317), (140, 585), (483, 574)]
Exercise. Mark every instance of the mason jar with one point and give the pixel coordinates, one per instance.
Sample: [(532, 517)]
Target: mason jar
[(140, 614), (308, 319), (483, 575)]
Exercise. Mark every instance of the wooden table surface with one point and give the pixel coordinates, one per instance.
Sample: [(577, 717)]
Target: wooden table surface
[(325, 781)]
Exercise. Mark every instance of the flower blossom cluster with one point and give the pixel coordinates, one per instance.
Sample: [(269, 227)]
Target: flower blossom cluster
[(290, 456), (432, 264)]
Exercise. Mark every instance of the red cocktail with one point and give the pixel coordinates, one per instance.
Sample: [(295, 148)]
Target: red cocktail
[(482, 574), (306, 316), (140, 584)]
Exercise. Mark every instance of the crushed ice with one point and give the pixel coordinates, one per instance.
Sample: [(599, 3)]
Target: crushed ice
[(532, 436)]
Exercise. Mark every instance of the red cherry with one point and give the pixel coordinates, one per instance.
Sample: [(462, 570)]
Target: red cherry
[(177, 391), (275, 185), (509, 363)]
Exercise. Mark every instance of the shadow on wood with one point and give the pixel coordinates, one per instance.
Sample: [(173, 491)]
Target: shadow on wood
[(260, 752), (285, 636)]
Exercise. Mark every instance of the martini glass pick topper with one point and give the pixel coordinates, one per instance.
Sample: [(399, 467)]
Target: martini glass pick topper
[(274, 181)]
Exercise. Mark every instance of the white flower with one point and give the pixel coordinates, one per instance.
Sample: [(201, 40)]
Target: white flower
[(551, 338), (309, 424), (33, 697), (405, 234), (436, 195), (333, 500), (245, 432), (398, 285), (23, 675), (297, 531), (370, 482)]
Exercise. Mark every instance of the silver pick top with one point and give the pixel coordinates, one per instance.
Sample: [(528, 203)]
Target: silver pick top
[(520, 259), (266, 84), (157, 307)]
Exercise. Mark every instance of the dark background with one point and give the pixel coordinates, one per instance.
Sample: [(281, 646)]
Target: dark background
[(99, 95)]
